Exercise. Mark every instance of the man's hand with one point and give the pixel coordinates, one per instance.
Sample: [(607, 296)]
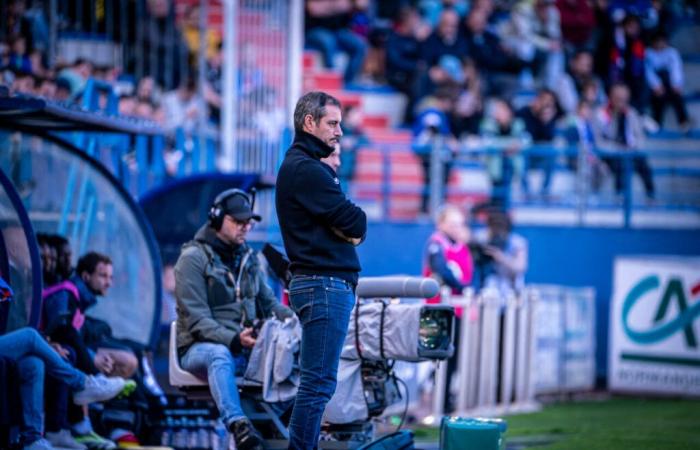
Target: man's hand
[(59, 349), (340, 234), (103, 362), (246, 337)]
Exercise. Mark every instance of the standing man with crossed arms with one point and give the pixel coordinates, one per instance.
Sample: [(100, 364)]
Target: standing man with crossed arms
[(320, 228)]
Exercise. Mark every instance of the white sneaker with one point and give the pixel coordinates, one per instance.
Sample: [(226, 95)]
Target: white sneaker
[(64, 440), (41, 444), (98, 388)]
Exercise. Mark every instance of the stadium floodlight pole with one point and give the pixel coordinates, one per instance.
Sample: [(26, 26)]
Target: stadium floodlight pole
[(229, 111), (296, 44), (204, 129)]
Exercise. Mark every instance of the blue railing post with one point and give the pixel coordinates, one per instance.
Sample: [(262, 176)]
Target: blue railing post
[(386, 182), (158, 166), (142, 165), (627, 164)]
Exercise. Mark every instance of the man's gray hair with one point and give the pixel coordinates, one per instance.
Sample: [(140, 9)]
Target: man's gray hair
[(314, 104)]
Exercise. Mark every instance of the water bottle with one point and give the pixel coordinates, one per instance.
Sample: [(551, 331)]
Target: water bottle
[(180, 435), (202, 440), (166, 437)]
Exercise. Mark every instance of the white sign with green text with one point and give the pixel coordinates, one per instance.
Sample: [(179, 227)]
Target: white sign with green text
[(655, 325)]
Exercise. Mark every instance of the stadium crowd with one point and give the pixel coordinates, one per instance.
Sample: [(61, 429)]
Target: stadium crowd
[(468, 68)]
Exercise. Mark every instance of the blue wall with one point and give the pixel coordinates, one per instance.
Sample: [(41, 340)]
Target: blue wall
[(567, 256)]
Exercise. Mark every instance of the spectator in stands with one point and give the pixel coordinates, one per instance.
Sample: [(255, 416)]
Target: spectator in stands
[(627, 63), (47, 89), (148, 91), (62, 90), (664, 74), (77, 75), (215, 315), (577, 24), (534, 34), (618, 129), (540, 118), (431, 10), (213, 86), (127, 105), (505, 134), (468, 109), (403, 53), (144, 110), (327, 31), (570, 86), (18, 57), (183, 107), (446, 258), (503, 257), (485, 46), (164, 43), (445, 40), (432, 133), (190, 34), (579, 132), (354, 138), (34, 355)]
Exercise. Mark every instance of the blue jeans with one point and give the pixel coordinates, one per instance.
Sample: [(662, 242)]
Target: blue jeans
[(323, 305), (34, 356), (215, 363), (31, 375), (328, 42)]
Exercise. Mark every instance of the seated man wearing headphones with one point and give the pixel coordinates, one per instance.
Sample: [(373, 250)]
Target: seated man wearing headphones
[(220, 290)]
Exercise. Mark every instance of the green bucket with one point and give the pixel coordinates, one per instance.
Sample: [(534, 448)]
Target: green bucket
[(472, 433)]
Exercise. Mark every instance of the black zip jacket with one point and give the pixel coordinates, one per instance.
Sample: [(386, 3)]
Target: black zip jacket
[(310, 206)]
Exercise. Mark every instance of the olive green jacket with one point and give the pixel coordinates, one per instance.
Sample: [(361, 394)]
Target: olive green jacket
[(212, 301)]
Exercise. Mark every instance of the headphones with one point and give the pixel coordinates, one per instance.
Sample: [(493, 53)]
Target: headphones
[(216, 212)]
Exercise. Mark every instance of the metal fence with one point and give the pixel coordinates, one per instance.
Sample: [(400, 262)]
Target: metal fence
[(388, 179), (259, 44)]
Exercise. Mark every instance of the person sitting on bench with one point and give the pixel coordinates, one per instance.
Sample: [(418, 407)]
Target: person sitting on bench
[(221, 290)]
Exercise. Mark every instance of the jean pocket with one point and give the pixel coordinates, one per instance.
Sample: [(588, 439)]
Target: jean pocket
[(301, 299)]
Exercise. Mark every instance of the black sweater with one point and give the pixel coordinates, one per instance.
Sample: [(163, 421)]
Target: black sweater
[(310, 204)]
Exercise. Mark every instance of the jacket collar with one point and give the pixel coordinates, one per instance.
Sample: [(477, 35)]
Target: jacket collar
[(87, 297), (207, 235), (311, 145)]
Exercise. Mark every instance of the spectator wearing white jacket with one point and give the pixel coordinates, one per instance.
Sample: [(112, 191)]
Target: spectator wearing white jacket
[(664, 74)]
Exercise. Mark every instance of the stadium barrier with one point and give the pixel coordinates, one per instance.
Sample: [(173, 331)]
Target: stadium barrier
[(496, 355)]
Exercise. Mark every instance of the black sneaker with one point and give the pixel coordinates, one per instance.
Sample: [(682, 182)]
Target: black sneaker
[(246, 436)]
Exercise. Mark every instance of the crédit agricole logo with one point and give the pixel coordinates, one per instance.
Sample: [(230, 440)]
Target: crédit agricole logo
[(667, 320)]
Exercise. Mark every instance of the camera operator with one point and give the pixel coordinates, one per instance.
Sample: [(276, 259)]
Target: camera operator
[(221, 291), (499, 254)]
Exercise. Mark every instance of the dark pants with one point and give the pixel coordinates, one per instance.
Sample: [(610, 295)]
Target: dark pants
[(427, 177), (639, 165), (500, 190), (670, 97), (544, 162), (329, 42), (323, 305), (57, 399)]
